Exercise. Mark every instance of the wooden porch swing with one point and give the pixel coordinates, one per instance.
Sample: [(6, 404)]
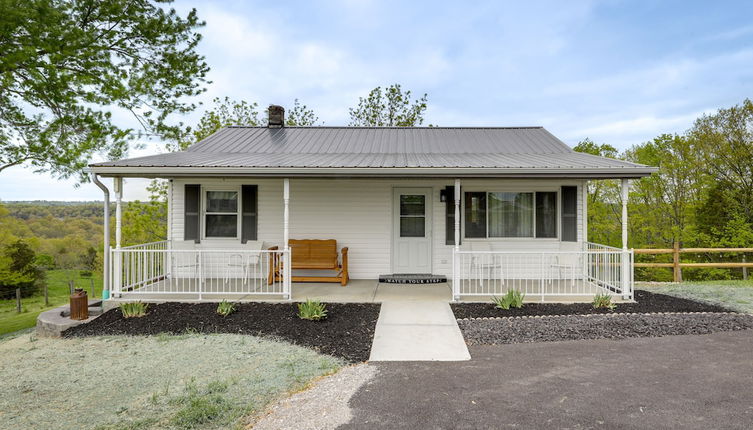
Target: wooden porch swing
[(312, 254)]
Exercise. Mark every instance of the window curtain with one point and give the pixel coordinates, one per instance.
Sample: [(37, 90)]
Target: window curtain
[(510, 214)]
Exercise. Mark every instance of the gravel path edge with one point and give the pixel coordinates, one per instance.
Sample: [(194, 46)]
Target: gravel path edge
[(324, 404), (599, 315)]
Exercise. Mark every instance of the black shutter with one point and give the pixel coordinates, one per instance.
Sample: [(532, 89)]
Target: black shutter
[(449, 202), (191, 224), (475, 214), (569, 214), (249, 218)]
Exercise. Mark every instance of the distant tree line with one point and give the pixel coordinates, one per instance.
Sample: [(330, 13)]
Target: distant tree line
[(702, 195)]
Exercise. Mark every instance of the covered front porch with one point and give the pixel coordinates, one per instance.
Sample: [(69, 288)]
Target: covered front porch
[(156, 272), (560, 266)]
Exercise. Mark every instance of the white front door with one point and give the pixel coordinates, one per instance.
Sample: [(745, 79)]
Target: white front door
[(411, 230)]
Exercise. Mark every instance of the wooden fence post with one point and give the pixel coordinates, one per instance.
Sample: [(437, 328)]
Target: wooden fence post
[(46, 296), (91, 282), (18, 300), (677, 270), (745, 270), (70, 286)]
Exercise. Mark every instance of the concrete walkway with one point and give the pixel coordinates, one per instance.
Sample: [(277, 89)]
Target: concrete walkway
[(419, 328)]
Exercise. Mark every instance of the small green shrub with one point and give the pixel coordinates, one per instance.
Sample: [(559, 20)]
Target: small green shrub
[(225, 308), (133, 309), (312, 310), (603, 301), (512, 299)]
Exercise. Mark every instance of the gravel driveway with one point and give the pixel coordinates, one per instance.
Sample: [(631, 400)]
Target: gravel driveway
[(690, 382)]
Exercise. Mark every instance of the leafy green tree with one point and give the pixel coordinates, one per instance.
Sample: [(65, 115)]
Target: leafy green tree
[(604, 205), (726, 141), (389, 107), (18, 270), (68, 67), (89, 259), (145, 222), (664, 203), (226, 112), (300, 116)]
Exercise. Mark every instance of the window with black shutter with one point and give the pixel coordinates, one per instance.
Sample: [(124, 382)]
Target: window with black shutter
[(569, 214), (191, 225), (249, 215)]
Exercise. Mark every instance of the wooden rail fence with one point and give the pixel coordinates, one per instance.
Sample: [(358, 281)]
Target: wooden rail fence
[(677, 266)]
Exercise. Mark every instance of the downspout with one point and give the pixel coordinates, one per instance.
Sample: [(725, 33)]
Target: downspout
[(106, 280)]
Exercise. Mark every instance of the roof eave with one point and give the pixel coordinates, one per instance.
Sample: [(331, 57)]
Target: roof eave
[(487, 172)]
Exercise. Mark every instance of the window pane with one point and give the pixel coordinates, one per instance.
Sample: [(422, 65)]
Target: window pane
[(413, 226), (475, 214), (546, 214), (222, 201), (412, 204), (510, 214), (222, 225)]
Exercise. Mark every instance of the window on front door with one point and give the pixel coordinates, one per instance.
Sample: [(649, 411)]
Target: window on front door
[(412, 215)]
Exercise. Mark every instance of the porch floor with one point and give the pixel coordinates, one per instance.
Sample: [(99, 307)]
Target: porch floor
[(357, 291)]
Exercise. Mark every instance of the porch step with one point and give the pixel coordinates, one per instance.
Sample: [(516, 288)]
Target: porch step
[(419, 330), (412, 278)]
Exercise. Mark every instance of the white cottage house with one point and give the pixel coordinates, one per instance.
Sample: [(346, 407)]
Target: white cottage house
[(485, 209)]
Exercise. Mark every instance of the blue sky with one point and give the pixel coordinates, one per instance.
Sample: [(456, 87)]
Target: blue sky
[(618, 72)]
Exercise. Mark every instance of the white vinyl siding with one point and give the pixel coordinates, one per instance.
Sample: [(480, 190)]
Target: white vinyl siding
[(358, 214)]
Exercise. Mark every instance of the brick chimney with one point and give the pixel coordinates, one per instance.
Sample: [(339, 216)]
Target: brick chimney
[(276, 116)]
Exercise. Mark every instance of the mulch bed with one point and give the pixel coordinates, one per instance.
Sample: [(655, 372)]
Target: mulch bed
[(618, 326), (646, 302), (347, 332)]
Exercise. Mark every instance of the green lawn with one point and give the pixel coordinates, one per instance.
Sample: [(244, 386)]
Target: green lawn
[(57, 287), (735, 295), (192, 381)]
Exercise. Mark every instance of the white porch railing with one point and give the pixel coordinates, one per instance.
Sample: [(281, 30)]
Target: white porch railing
[(155, 269), (597, 269)]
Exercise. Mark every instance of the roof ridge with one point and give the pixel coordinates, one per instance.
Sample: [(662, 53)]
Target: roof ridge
[(523, 127)]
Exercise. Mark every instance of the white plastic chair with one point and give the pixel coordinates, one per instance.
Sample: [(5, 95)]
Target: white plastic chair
[(247, 262), (485, 263), (184, 264)]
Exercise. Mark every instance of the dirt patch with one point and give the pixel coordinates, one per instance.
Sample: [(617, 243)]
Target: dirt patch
[(347, 332), (646, 302), (575, 327)]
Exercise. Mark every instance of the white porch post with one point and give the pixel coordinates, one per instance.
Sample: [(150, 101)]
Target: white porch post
[(627, 266), (455, 255), (118, 275), (286, 238)]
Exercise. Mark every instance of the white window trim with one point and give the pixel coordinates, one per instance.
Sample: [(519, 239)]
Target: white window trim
[(204, 213), (533, 190)]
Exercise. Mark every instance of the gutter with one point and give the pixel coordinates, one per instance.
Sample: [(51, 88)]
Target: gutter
[(106, 258), (424, 172)]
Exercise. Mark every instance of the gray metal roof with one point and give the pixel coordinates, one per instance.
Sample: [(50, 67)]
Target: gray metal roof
[(382, 140), (498, 150)]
